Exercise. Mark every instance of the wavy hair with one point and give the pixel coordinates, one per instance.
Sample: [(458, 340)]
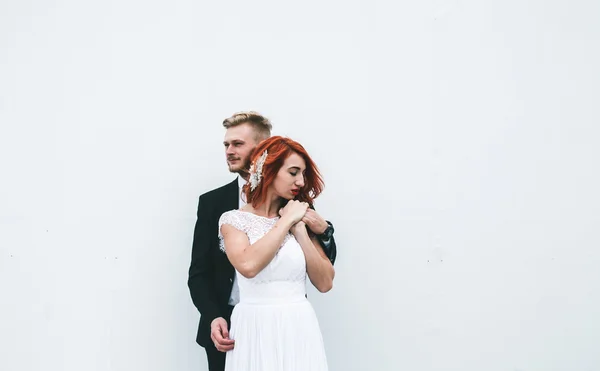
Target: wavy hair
[(279, 149)]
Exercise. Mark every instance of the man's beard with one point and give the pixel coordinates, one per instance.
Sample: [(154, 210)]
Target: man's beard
[(242, 169)]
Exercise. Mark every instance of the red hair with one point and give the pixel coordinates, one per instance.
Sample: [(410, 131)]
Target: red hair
[(279, 149)]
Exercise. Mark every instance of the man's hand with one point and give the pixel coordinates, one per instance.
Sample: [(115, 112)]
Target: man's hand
[(220, 335), (315, 222)]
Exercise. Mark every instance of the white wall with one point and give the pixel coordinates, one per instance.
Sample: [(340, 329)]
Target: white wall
[(459, 141)]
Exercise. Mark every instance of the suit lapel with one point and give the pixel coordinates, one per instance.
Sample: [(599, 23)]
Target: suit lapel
[(231, 200)]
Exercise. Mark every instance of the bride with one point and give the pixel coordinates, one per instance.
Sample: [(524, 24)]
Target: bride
[(274, 326)]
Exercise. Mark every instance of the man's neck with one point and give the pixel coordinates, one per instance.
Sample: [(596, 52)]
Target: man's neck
[(244, 175)]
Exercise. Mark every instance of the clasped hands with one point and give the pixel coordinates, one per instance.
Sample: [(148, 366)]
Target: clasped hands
[(302, 216)]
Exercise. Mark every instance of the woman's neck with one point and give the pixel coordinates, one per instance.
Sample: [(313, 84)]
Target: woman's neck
[(269, 209)]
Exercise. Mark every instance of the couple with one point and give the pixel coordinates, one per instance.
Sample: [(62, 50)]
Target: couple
[(249, 266)]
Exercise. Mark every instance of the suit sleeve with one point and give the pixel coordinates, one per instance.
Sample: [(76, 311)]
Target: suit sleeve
[(200, 278), (329, 246)]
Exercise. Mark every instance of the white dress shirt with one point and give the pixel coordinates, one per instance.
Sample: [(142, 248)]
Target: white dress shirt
[(234, 298)]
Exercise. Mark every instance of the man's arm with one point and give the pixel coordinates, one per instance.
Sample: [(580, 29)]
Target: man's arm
[(327, 242), (323, 231), (201, 269)]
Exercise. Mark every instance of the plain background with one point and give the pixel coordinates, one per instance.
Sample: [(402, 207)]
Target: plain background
[(459, 141)]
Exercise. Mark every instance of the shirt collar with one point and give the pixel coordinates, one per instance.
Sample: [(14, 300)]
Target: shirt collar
[(241, 182)]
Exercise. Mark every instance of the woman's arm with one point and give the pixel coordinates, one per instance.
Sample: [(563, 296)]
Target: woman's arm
[(319, 268), (249, 259)]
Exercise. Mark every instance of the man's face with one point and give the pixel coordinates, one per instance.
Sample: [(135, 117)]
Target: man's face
[(239, 142)]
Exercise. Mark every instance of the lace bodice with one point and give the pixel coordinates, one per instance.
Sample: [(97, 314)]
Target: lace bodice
[(284, 277)]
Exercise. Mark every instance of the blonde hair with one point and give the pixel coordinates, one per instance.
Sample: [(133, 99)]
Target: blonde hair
[(261, 125)]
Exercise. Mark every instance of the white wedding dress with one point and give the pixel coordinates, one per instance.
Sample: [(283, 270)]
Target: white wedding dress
[(274, 326)]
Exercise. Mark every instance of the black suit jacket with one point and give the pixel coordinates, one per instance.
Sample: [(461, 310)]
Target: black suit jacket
[(211, 274)]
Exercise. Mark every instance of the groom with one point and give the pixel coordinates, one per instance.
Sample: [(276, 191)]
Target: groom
[(211, 279)]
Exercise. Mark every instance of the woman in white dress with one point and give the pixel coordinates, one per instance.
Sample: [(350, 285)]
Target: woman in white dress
[(273, 325)]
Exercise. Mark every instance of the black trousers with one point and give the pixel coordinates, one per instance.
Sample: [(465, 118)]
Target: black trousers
[(216, 359)]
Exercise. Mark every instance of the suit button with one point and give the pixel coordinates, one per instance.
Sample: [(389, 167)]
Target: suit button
[(231, 280)]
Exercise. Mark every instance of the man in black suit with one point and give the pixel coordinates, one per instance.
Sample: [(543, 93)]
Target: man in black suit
[(211, 277)]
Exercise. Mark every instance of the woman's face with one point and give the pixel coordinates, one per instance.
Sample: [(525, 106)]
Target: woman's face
[(290, 178)]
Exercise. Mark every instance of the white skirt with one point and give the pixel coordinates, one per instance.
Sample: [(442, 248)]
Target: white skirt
[(274, 336)]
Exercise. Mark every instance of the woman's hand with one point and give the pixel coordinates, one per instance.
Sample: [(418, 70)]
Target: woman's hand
[(294, 211), (299, 229)]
